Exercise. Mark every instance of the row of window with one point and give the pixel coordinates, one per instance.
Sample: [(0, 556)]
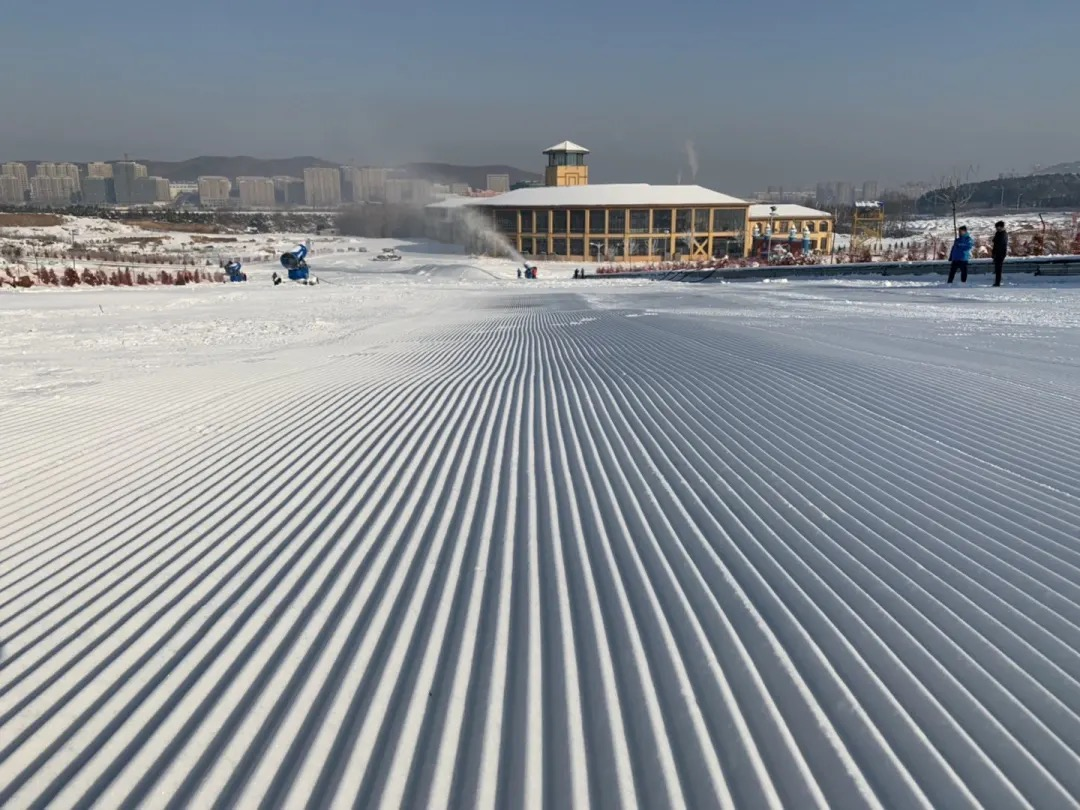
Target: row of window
[(602, 221), (611, 249), (783, 226)]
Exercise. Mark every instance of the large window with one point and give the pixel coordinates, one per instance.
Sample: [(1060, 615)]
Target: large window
[(661, 247), (661, 220), (616, 248), (701, 220), (577, 221), (682, 220), (558, 246), (526, 221), (639, 220), (506, 221), (639, 247), (527, 245), (728, 220), (577, 247), (597, 221), (726, 247), (682, 246), (812, 226), (540, 245), (541, 222), (564, 159), (558, 222), (616, 221), (824, 227)]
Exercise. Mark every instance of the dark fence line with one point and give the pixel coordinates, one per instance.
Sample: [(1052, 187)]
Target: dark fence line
[(1036, 265)]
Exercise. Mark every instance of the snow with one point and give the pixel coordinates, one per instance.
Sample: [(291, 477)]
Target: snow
[(786, 210), (567, 146), (603, 194), (980, 226), (428, 535)]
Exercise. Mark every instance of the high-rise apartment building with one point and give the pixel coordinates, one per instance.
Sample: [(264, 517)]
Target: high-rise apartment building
[(870, 190), (99, 169), (48, 190), (288, 190), (322, 188), (256, 192), (352, 184), (124, 174), (151, 189), (97, 190), (69, 170), (19, 172), (11, 190), (499, 183), (373, 184), (409, 192), (214, 191)]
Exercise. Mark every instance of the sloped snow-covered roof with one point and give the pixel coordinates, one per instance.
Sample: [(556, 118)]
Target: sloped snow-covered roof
[(625, 194), (787, 211), (453, 201), (566, 146)]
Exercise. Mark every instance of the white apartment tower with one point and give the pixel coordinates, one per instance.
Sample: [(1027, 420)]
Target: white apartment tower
[(322, 188), (256, 192), (214, 191), (19, 172)]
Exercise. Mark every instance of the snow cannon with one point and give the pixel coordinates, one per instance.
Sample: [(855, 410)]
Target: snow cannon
[(234, 271), (294, 264)]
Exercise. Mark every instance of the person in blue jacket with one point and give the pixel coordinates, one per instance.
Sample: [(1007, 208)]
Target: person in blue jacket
[(960, 254)]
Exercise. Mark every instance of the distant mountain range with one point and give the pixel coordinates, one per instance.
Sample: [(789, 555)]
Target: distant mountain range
[(243, 166), (1062, 168)]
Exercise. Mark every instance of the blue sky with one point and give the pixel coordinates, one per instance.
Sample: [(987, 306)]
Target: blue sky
[(769, 92)]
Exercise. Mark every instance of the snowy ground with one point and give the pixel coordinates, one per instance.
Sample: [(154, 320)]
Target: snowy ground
[(980, 226), (429, 536)]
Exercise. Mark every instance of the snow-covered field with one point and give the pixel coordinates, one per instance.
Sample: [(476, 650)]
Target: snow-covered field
[(429, 536), (980, 226)]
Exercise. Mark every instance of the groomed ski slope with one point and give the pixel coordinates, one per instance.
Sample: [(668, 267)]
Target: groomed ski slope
[(445, 540)]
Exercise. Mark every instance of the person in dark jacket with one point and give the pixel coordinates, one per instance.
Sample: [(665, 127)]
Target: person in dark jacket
[(1000, 250), (960, 254)]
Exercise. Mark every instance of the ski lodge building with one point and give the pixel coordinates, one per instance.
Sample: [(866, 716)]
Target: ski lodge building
[(569, 219)]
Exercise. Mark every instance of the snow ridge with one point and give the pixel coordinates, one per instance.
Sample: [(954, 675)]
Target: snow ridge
[(548, 555)]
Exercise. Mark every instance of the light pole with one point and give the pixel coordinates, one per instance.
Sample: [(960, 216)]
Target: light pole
[(768, 242)]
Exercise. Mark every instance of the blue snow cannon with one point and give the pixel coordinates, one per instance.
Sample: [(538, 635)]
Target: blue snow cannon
[(234, 272), (294, 264)]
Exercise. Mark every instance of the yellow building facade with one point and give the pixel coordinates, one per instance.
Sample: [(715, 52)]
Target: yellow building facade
[(570, 219), (808, 224), (593, 227)]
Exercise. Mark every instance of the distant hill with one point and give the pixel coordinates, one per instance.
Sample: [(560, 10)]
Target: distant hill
[(1062, 168), (244, 166), (233, 167), (1037, 191)]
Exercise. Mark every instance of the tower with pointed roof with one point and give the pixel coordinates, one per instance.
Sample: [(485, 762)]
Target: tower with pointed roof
[(566, 165)]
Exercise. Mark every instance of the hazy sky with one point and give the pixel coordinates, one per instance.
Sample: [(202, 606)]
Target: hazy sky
[(775, 92)]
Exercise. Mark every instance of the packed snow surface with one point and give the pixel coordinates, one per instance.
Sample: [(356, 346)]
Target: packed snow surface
[(430, 536)]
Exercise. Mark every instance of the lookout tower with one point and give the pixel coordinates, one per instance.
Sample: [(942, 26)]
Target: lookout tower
[(566, 165), (867, 226)]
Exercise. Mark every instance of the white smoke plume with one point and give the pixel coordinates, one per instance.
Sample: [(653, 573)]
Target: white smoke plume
[(691, 158)]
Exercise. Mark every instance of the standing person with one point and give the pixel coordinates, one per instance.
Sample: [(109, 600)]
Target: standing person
[(1000, 250), (960, 254)]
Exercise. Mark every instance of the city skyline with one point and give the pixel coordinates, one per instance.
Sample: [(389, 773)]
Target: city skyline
[(835, 91)]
